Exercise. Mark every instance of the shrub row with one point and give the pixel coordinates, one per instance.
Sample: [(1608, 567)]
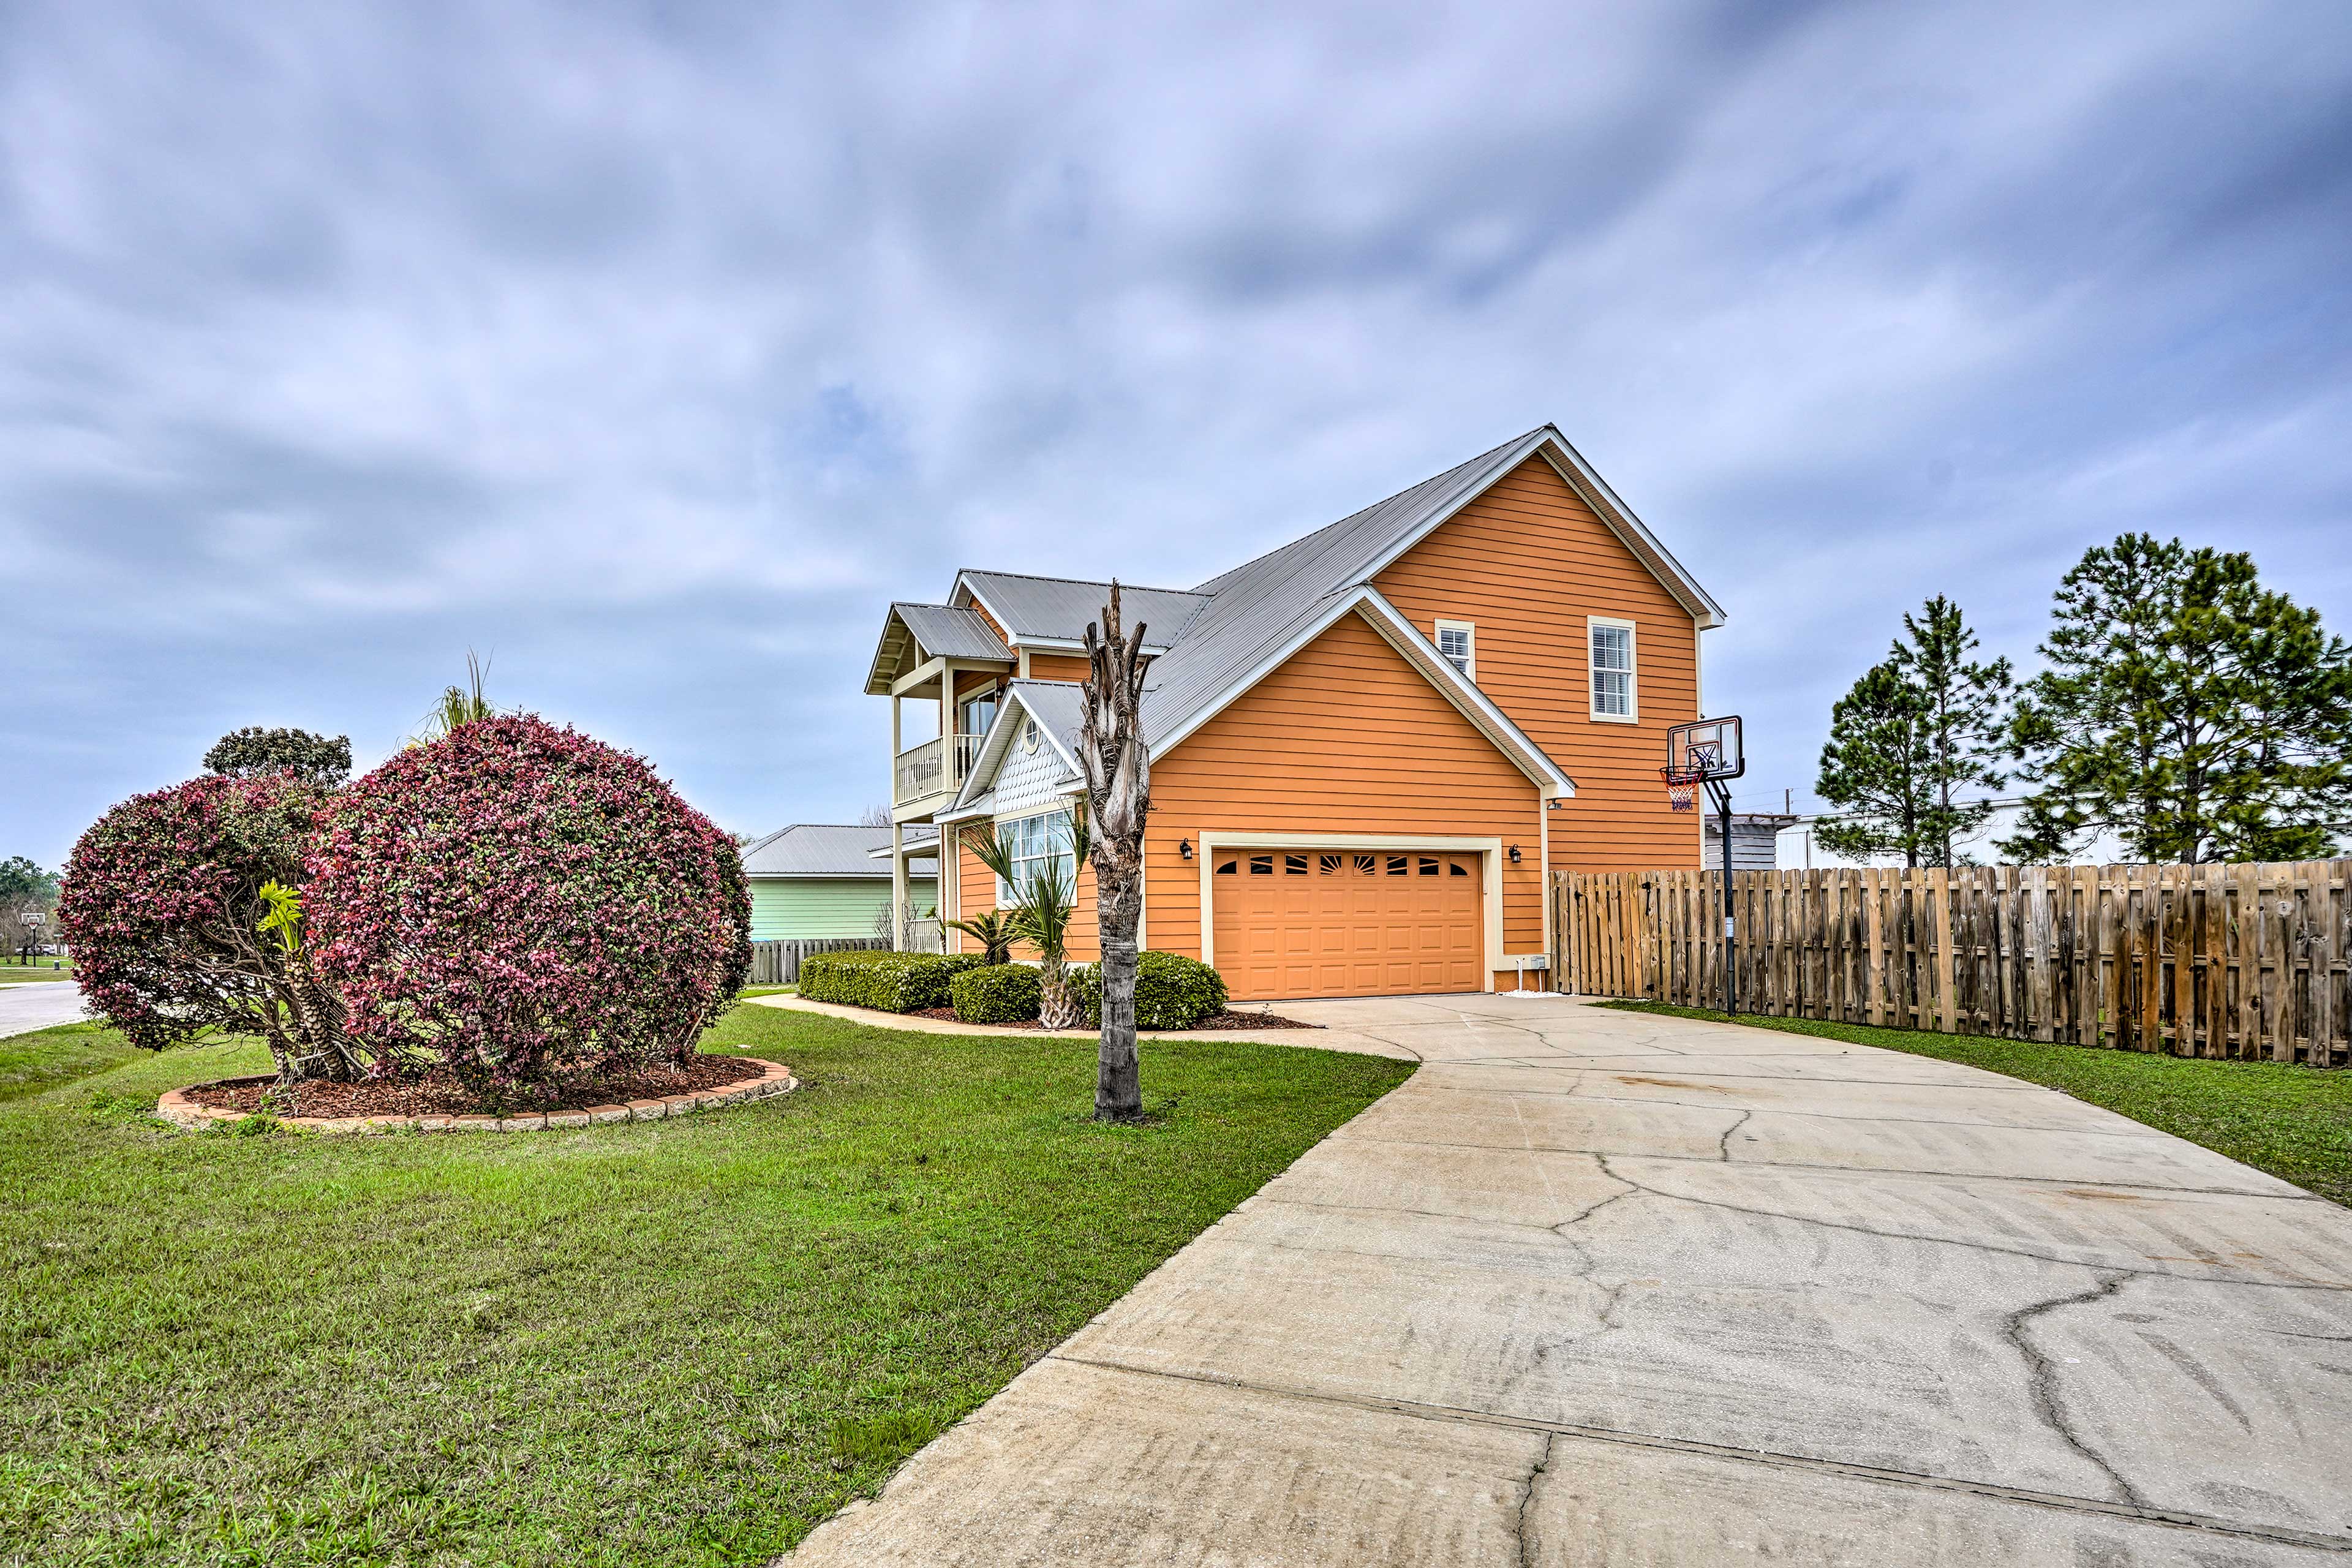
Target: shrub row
[(1172, 992), (892, 982), (997, 993)]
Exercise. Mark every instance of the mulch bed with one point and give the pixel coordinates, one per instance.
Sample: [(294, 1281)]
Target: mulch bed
[(1228, 1019), (441, 1094)]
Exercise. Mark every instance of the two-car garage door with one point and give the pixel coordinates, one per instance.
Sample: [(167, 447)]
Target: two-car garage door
[(1313, 922)]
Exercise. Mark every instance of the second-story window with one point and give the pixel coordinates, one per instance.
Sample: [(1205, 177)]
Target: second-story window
[(975, 713), (1458, 641), (1611, 648)]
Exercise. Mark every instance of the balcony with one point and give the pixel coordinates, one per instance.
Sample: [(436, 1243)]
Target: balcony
[(924, 770), (921, 772)]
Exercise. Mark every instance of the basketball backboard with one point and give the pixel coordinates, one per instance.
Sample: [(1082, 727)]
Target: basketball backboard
[(1705, 749)]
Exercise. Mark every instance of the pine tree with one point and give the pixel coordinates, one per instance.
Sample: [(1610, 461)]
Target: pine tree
[(1870, 769), (2195, 713), (1912, 738), (1963, 726)]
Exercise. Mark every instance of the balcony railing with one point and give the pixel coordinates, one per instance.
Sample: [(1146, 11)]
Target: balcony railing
[(922, 769)]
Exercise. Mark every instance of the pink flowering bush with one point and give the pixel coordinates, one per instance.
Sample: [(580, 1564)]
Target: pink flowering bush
[(161, 906), (522, 902)]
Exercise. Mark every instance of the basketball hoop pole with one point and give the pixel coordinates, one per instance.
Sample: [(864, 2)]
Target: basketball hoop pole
[(1710, 752), (1721, 795)]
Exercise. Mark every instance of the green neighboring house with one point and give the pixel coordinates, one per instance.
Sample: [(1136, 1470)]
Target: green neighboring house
[(822, 878)]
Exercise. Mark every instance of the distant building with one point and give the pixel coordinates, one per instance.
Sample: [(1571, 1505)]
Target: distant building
[(820, 878), (1754, 838), (1799, 850)]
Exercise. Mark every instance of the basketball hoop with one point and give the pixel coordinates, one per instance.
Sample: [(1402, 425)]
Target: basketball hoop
[(1682, 793)]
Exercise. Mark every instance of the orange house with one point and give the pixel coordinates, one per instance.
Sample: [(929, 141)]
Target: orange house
[(1367, 746)]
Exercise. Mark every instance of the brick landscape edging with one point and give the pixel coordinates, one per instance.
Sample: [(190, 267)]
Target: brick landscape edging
[(774, 1078)]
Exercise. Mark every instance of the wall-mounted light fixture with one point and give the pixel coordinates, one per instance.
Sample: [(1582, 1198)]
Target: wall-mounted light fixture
[(1515, 854), (1184, 848)]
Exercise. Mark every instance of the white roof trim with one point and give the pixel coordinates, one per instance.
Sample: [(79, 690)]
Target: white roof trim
[(1590, 488), (1077, 644), (1001, 731), (1421, 654), (1587, 483)]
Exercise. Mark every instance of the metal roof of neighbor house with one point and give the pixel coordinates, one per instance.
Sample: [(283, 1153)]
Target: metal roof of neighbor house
[(826, 850), (1060, 608)]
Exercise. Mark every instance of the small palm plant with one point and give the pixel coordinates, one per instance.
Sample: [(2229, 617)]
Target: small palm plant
[(1045, 904), (458, 704), (992, 932)]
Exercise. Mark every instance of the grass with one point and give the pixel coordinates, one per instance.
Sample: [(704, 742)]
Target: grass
[(680, 1344), (13, 973), (2295, 1122), (32, 1063)]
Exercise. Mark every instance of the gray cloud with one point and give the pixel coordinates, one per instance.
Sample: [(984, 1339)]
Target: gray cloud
[(656, 347)]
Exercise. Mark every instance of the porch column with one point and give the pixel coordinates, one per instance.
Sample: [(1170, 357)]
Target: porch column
[(897, 887), (946, 724)]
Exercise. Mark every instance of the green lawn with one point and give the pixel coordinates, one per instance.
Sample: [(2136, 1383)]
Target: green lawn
[(13, 973), (685, 1343), (2294, 1123)]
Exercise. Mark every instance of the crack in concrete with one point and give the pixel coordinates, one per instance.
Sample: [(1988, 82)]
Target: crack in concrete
[(1723, 1145), (2133, 1271), (1856, 1170), (1527, 1496), (1923, 1479), (2042, 1379)]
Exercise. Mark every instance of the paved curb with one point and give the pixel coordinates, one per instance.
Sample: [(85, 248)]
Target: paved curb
[(774, 1078)]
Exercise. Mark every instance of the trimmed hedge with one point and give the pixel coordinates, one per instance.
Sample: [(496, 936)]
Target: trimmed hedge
[(997, 993), (1172, 992), (892, 982)]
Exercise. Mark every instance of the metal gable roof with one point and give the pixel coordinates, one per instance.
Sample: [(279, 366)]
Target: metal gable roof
[(913, 632), (948, 632), (1059, 608), (1212, 642), (1254, 607), (823, 849), (1058, 709)]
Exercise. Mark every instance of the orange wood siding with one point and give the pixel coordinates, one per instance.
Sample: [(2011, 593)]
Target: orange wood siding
[(1527, 562), (1057, 667), (1344, 738)]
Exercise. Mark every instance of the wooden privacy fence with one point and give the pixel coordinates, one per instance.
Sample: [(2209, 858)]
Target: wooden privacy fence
[(778, 962), (2244, 960)]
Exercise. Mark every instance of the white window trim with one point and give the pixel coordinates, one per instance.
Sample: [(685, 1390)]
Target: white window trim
[(1004, 890), (1632, 714), (1469, 630)]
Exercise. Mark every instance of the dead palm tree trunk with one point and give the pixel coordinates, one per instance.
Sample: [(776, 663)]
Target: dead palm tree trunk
[(1118, 797)]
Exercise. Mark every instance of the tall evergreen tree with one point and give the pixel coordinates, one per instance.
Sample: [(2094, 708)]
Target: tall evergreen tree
[(1963, 726), (2187, 709), (1870, 769), (1914, 746)]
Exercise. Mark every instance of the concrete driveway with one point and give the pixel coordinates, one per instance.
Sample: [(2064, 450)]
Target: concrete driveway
[(40, 1004), (1601, 1287)]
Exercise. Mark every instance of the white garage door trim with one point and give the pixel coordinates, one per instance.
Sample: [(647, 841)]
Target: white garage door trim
[(1490, 869)]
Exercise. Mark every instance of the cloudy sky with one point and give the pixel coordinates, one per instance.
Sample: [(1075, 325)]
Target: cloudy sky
[(652, 348)]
